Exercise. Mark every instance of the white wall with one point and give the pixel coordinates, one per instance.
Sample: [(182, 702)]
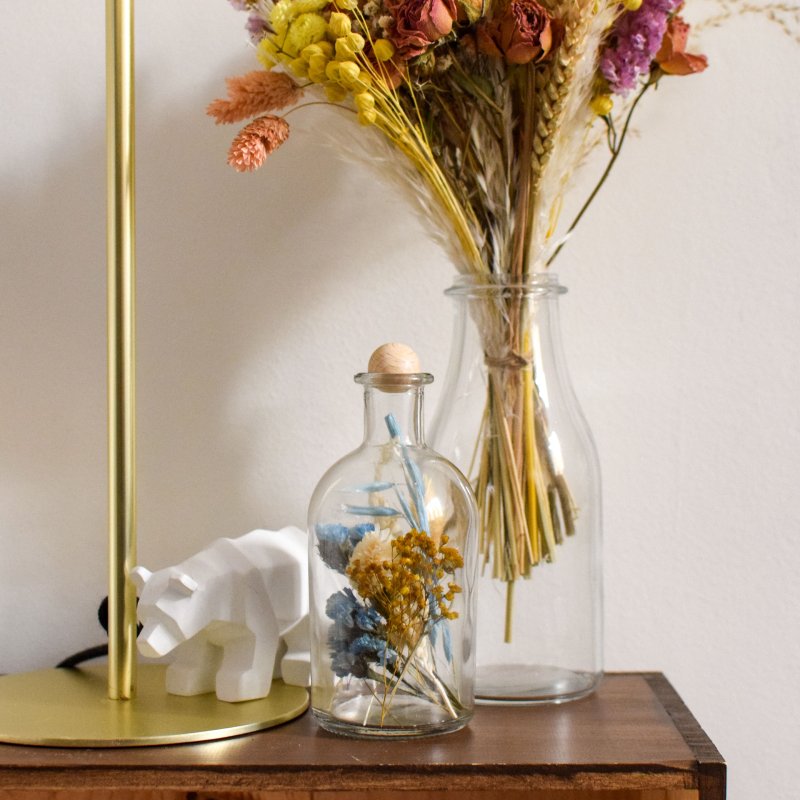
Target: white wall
[(260, 296)]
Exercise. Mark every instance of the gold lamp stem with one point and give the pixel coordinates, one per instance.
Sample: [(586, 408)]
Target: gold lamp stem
[(121, 349)]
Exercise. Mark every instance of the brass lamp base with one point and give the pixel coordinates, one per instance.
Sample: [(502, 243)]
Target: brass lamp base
[(70, 708)]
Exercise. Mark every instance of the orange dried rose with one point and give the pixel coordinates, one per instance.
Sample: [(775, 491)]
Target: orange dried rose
[(522, 31), (672, 58)]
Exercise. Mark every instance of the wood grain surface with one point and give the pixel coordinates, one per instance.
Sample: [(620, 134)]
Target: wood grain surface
[(115, 794), (634, 733)]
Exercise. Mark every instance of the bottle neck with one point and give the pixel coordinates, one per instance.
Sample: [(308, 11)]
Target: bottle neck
[(405, 405)]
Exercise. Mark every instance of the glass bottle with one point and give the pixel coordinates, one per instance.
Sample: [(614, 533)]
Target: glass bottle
[(509, 419), (392, 532)]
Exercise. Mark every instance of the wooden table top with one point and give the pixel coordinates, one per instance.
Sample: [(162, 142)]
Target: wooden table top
[(634, 732)]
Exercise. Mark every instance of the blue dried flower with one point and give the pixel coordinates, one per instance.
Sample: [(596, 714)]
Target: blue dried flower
[(368, 619), (358, 532), (335, 543), (357, 636), (341, 607)]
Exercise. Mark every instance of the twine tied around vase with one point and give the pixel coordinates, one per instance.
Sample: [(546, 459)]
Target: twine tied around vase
[(510, 360)]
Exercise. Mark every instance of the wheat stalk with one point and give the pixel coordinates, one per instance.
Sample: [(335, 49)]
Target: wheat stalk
[(564, 89)]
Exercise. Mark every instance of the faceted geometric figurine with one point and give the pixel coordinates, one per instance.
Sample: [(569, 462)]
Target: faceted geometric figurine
[(393, 564), (225, 613)]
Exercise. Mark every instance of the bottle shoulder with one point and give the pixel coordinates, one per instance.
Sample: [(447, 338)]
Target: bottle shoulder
[(374, 475)]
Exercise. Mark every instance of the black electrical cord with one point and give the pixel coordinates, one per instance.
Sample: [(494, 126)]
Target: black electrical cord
[(84, 655), (93, 652)]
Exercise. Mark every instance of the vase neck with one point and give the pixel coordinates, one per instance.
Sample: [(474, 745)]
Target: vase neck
[(395, 414)]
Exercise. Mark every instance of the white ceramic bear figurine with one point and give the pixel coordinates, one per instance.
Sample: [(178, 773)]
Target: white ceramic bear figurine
[(224, 611)]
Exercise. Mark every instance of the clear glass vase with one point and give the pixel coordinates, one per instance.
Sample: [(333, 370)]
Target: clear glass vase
[(393, 563), (509, 419)]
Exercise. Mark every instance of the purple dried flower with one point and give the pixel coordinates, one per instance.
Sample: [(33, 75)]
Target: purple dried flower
[(256, 26), (635, 39), (239, 5)]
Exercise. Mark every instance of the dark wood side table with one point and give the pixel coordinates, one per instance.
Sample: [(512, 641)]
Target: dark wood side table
[(634, 738)]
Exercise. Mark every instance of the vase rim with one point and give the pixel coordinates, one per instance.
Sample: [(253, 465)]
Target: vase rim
[(537, 283)]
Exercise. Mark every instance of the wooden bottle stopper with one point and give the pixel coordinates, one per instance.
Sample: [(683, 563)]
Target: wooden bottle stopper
[(394, 358)]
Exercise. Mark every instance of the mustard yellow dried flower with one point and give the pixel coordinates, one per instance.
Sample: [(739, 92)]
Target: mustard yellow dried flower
[(406, 589)]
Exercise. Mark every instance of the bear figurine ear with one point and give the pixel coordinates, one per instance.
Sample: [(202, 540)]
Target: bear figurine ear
[(182, 583), (140, 576)]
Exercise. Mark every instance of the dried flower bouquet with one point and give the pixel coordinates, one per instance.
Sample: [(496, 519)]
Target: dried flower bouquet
[(483, 111)]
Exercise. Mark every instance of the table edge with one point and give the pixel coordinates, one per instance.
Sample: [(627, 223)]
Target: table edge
[(711, 767), (480, 778)]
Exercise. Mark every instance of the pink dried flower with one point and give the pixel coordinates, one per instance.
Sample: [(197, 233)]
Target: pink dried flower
[(256, 141), (254, 93), (421, 23)]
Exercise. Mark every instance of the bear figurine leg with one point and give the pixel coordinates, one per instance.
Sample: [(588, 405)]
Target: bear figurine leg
[(196, 663), (248, 658)]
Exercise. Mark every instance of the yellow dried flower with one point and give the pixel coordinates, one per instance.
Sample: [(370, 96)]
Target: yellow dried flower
[(399, 588), (343, 50), (348, 5), (299, 66), (284, 11), (334, 92), (364, 102), (305, 30), (280, 16), (383, 49), (364, 80), (602, 105), (317, 65), (339, 24), (355, 41), (317, 75), (632, 5), (348, 73), (311, 50), (332, 70), (267, 53)]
